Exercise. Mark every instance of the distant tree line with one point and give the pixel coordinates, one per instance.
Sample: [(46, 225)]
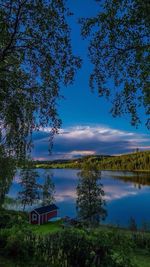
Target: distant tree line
[(135, 161)]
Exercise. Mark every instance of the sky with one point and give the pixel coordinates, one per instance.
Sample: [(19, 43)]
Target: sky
[(88, 128)]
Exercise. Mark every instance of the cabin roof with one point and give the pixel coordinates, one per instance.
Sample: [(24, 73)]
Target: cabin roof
[(46, 209)]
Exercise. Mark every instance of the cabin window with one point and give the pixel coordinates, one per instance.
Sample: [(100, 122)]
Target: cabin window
[(34, 217)]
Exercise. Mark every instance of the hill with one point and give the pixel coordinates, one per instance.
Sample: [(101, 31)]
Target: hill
[(138, 161)]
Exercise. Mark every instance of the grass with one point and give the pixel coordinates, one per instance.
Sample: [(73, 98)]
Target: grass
[(142, 258), (50, 227)]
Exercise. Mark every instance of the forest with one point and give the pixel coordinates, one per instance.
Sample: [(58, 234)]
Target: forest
[(137, 161)]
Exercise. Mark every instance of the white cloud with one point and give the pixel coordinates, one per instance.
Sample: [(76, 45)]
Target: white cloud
[(82, 152), (88, 140)]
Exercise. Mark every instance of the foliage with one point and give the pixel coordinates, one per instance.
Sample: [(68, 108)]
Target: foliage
[(48, 191), (90, 203), (132, 225), (30, 192), (119, 50), (99, 247), (47, 228), (35, 59), (142, 240), (9, 218), (71, 248), (16, 242), (134, 161), (7, 171), (142, 258)]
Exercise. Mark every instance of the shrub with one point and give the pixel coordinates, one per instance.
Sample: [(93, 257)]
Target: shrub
[(9, 218), (71, 247)]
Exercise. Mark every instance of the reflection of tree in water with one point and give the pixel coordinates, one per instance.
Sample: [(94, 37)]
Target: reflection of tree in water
[(7, 171), (137, 178)]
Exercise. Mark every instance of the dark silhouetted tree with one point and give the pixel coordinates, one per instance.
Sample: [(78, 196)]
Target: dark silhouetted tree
[(48, 191), (35, 59), (90, 202), (119, 50), (30, 188), (7, 171)]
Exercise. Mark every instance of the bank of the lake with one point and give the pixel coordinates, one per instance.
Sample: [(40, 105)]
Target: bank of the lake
[(139, 253), (126, 194)]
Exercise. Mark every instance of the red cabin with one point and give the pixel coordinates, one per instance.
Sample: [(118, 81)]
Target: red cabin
[(43, 214)]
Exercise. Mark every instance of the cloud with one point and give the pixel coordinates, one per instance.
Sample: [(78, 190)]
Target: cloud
[(86, 140)]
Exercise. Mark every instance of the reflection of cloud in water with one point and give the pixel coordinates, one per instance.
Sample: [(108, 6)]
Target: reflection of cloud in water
[(66, 182), (111, 193), (66, 195), (123, 198)]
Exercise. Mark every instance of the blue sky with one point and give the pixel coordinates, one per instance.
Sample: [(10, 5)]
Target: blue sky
[(87, 125)]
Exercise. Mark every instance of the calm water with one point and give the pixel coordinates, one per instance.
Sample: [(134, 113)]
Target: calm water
[(127, 194)]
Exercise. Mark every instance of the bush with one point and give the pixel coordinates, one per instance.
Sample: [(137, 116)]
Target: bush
[(71, 247), (9, 218), (142, 240), (86, 249), (15, 242)]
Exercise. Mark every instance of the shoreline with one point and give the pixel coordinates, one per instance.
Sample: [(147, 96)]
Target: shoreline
[(73, 168)]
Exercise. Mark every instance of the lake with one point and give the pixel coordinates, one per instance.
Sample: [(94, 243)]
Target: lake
[(127, 194)]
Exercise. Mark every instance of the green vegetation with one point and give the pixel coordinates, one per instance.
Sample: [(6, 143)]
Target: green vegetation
[(119, 51), (7, 263), (29, 193), (9, 218), (138, 161), (142, 258), (90, 202), (34, 62), (75, 246), (48, 191), (7, 170), (50, 227)]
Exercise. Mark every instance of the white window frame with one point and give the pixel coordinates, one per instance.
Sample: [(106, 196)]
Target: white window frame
[(34, 217)]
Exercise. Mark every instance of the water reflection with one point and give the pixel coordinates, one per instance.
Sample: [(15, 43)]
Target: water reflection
[(124, 196), (139, 179)]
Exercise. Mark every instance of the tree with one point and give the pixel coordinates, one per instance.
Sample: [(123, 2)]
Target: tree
[(119, 50), (30, 192), (35, 60), (90, 202), (7, 171), (132, 225), (48, 191)]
